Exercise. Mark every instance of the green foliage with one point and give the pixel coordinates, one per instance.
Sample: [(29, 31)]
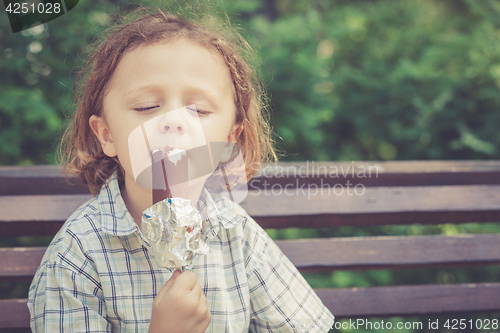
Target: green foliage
[(348, 80), (26, 121), (384, 80)]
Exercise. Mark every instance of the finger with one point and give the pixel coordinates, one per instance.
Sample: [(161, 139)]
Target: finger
[(196, 291), (202, 312), (204, 297), (166, 287), (185, 282), (207, 321)]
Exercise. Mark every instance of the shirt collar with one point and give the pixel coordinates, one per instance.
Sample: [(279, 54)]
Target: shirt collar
[(115, 217), (215, 211), (219, 211)]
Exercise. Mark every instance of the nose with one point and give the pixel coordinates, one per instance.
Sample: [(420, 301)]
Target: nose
[(172, 123)]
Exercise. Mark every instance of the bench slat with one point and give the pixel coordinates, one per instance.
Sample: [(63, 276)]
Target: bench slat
[(328, 254), (344, 253), (20, 262), (37, 215), (15, 314), (391, 173), (412, 300), (40, 207), (47, 179), (359, 302), (377, 206), (375, 200)]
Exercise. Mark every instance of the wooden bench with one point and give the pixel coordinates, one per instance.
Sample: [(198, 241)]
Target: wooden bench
[(35, 201)]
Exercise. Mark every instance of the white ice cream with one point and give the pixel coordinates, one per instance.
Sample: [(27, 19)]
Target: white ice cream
[(176, 154)]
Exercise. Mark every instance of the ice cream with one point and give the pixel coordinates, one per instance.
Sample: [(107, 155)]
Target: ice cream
[(173, 225), (173, 228), (170, 173)]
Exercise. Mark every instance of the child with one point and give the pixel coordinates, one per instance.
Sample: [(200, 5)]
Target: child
[(98, 274)]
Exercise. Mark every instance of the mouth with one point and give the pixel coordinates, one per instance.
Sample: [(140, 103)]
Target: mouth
[(172, 154), (176, 154), (174, 150)]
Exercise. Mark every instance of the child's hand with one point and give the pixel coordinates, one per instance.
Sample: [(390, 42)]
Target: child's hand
[(180, 306)]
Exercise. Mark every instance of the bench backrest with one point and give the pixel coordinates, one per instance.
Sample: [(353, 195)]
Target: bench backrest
[(37, 200)]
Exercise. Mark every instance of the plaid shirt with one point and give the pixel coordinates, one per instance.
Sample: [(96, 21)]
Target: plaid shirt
[(99, 276)]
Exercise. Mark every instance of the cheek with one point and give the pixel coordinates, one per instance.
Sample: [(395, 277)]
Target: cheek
[(123, 153), (218, 128), (120, 135)]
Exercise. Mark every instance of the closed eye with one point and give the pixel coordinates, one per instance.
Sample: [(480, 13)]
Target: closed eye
[(199, 111), (146, 108)]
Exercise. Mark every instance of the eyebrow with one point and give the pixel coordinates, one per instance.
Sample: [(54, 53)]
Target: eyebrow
[(191, 91), (207, 94), (151, 87)]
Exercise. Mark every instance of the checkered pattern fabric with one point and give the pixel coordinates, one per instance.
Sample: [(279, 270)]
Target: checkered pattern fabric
[(98, 275)]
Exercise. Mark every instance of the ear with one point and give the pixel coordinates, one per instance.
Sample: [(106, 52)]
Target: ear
[(235, 133), (101, 131)]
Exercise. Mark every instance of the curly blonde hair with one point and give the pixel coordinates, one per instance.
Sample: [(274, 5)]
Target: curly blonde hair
[(81, 151)]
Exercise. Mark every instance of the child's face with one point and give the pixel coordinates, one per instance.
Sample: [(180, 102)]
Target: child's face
[(153, 80)]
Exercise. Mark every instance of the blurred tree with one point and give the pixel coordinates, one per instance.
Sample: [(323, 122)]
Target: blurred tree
[(384, 80), (355, 79), (36, 84)]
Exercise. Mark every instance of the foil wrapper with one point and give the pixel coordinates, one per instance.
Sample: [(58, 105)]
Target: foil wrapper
[(173, 228)]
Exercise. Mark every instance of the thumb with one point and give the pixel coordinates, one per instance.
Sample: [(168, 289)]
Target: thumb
[(171, 281), (168, 284)]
